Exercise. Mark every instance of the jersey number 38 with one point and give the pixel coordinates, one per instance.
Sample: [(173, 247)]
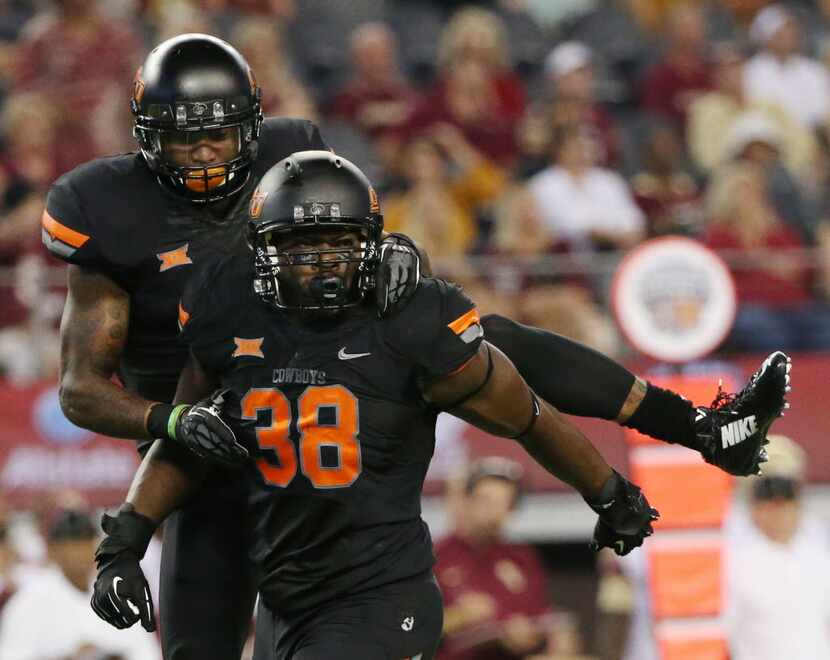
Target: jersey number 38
[(327, 416)]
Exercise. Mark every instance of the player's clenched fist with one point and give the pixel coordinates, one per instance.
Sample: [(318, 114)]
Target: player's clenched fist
[(200, 428), (121, 595), (625, 516)]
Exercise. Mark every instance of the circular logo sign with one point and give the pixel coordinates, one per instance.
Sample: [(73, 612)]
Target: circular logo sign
[(674, 299)]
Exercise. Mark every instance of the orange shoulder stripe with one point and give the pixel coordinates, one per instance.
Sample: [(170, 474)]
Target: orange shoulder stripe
[(464, 321), (63, 233), (184, 317)]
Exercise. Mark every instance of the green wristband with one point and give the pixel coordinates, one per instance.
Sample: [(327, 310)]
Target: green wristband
[(174, 418)]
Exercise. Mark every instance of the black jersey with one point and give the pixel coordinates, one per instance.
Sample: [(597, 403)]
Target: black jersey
[(113, 216), (342, 437)]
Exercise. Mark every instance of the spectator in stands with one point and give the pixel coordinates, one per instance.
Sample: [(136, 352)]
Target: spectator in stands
[(283, 93), (449, 182), (519, 230), (34, 150), (713, 115), (754, 139), (570, 73), (476, 91), (775, 304), (683, 71), (49, 617), (570, 310), (167, 19), (588, 207), (377, 98), (496, 605), (780, 74), (475, 34), (29, 161), (79, 59), (778, 586), (665, 190), (468, 99)]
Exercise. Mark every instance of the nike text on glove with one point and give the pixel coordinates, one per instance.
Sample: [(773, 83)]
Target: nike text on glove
[(200, 428), (121, 595), (625, 516), (398, 274)]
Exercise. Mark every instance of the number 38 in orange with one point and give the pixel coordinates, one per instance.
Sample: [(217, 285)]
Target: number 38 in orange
[(327, 417)]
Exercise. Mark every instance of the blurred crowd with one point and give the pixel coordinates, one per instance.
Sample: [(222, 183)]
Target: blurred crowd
[(525, 144)]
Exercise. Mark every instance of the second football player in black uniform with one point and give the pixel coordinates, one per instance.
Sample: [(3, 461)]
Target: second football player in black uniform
[(337, 409), (132, 227)]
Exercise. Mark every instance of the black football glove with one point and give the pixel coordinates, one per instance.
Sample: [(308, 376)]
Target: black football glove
[(398, 274), (200, 428), (625, 516), (121, 595)]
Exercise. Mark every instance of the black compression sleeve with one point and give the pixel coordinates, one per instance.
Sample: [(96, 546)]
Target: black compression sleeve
[(570, 376)]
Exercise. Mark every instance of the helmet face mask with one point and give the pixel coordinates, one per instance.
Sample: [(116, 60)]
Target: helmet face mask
[(318, 268), (218, 162), (193, 91), (315, 229)]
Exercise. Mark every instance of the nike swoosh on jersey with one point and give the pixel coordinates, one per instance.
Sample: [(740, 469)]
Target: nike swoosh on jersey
[(343, 355)]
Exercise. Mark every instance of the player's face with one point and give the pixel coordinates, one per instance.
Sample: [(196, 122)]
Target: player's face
[(778, 519), (321, 263), (195, 148), (201, 149)]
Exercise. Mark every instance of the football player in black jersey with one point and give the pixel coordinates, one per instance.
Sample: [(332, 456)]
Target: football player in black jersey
[(330, 411), (133, 226)]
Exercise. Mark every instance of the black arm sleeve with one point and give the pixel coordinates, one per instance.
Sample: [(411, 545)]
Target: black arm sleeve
[(570, 376)]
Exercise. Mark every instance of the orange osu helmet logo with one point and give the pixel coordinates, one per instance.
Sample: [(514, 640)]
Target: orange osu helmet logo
[(138, 86), (374, 204), (257, 202)]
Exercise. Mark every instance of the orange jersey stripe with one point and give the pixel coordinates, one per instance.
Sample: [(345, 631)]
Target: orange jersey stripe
[(63, 233), (184, 316), (465, 321)]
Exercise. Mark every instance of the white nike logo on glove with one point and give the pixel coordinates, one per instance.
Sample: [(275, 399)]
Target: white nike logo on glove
[(130, 604), (343, 355)]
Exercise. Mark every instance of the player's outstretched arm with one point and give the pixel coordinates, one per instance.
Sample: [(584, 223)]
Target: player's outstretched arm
[(93, 335), (489, 393)]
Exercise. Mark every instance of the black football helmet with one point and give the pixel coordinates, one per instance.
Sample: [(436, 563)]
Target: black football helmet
[(190, 87), (312, 213)]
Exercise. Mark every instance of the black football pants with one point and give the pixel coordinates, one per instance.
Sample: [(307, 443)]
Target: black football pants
[(207, 583), (398, 621)]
